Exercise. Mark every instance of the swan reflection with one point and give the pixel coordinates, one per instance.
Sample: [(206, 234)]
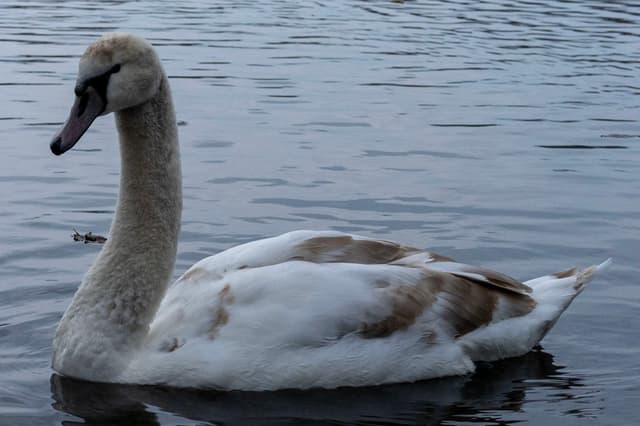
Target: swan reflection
[(494, 391)]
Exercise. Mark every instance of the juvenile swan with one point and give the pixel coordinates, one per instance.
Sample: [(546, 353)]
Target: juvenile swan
[(304, 309)]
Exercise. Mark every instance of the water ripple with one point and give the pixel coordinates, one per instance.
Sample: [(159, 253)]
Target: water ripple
[(414, 121)]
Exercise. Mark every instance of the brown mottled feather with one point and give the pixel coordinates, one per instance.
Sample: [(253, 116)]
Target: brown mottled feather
[(194, 274), (220, 313), (566, 273), (466, 306), (468, 301), (197, 274), (344, 248), (495, 279), (408, 302), (482, 276)]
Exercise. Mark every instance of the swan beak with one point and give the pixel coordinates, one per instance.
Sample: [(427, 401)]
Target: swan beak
[(85, 109)]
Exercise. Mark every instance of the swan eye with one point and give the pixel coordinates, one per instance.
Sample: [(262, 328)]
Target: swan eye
[(115, 68)]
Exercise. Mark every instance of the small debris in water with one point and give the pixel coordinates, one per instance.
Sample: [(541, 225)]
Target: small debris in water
[(88, 237)]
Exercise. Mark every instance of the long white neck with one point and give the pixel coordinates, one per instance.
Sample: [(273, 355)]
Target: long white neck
[(110, 314)]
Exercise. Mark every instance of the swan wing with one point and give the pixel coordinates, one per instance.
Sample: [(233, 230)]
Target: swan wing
[(309, 288)]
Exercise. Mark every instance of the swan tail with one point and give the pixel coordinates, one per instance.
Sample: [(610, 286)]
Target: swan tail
[(584, 276), (517, 335), (570, 282), (554, 293)]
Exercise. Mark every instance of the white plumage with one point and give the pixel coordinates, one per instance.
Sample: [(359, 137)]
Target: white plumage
[(304, 309)]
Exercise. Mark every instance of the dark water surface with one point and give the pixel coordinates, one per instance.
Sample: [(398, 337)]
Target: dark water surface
[(463, 126)]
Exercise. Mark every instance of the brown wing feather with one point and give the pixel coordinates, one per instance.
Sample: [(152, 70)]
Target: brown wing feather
[(408, 302), (495, 279), (344, 248), (480, 275), (463, 304), (466, 297)]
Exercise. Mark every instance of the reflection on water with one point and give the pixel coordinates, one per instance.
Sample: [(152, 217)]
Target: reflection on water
[(493, 395), (502, 133)]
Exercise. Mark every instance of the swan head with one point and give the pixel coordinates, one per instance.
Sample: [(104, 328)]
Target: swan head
[(116, 72)]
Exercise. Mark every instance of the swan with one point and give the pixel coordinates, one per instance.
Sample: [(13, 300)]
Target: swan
[(301, 310)]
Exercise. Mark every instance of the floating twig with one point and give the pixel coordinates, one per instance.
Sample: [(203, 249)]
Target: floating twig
[(88, 237)]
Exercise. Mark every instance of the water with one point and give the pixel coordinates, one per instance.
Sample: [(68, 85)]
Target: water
[(458, 126)]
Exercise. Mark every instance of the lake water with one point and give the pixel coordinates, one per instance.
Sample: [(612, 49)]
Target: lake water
[(465, 127)]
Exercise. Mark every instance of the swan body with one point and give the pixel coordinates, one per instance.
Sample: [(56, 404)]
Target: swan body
[(300, 310)]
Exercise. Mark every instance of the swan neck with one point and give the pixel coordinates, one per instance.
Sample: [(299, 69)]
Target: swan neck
[(150, 197), (147, 220), (109, 317)]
